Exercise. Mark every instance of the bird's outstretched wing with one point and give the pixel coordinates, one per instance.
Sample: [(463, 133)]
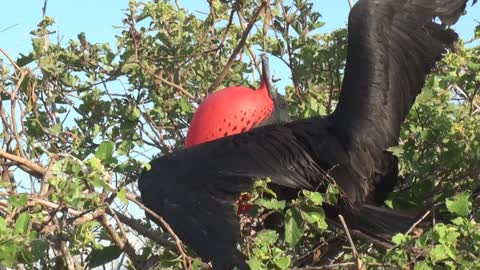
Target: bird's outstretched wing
[(194, 189), (392, 46)]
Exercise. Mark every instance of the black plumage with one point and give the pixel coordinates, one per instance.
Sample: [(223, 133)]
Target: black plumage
[(392, 46)]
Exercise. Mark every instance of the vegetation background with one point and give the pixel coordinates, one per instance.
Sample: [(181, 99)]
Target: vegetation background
[(81, 117)]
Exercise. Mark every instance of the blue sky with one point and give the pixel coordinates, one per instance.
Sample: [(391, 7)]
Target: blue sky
[(99, 18)]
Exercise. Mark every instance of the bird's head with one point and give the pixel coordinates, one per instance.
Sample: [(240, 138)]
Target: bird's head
[(237, 109)]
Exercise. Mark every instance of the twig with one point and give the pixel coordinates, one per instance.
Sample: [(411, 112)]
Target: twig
[(174, 85), (119, 223), (123, 245), (237, 49), (358, 263), (70, 263), (62, 245), (115, 237), (10, 27), (186, 259), (230, 20), (288, 22), (10, 59), (418, 222), (48, 173), (137, 226)]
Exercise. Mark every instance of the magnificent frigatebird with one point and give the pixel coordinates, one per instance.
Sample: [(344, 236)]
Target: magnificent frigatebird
[(392, 46)]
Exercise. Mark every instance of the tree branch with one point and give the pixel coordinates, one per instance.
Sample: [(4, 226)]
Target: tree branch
[(186, 259), (37, 169), (237, 49)]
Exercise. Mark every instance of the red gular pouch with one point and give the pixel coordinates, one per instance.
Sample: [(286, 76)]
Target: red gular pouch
[(229, 111), (237, 109)]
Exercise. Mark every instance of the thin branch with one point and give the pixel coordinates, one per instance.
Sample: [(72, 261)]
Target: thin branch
[(237, 49), (48, 173), (122, 244), (8, 28), (186, 259), (174, 85), (358, 263), (418, 222), (141, 229), (62, 246)]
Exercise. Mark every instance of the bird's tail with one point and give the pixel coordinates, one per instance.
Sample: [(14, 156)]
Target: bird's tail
[(380, 224)]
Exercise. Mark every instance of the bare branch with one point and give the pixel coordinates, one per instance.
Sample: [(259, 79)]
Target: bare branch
[(358, 263), (237, 49), (186, 259), (418, 222), (174, 85), (141, 229)]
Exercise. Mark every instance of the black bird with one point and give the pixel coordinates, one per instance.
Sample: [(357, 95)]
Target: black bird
[(392, 46)]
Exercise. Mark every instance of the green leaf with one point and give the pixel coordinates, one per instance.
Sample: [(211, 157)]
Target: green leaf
[(55, 129), (396, 150), (101, 256), (122, 195), (332, 194), (293, 226), (283, 262), (272, 204), (125, 147), (439, 253), (133, 113), (129, 67), (24, 60), (315, 215), (423, 265), (255, 264), (105, 151), (197, 264), (3, 224), (22, 222), (315, 197), (18, 200), (460, 204), (147, 166), (475, 67), (267, 237), (400, 239), (8, 251)]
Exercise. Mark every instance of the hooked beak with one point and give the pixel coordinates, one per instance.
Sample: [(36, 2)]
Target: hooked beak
[(267, 79)]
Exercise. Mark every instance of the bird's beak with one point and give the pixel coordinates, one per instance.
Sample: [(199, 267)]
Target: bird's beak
[(267, 79)]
